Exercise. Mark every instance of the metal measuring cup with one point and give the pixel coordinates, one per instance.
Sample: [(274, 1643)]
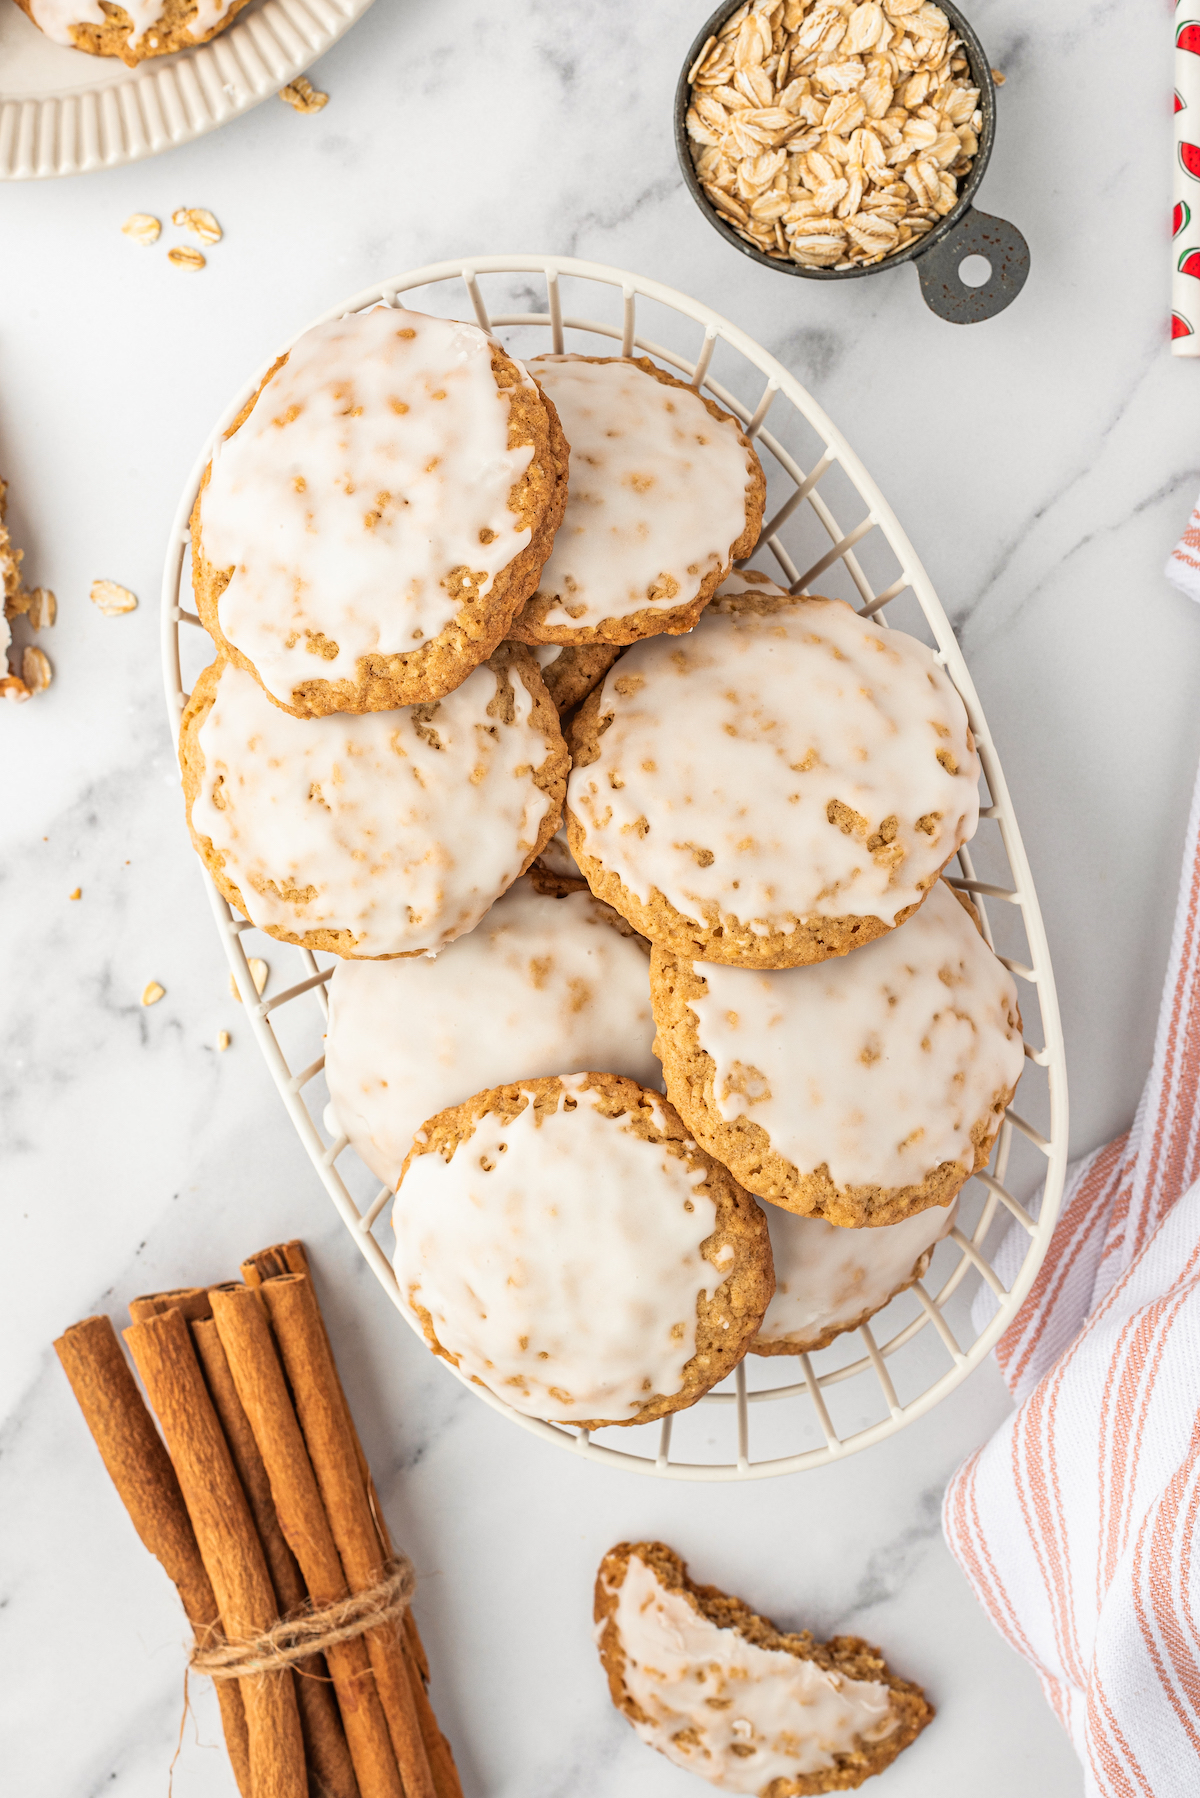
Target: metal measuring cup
[(940, 253)]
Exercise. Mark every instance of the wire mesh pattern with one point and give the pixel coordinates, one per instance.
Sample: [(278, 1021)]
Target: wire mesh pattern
[(124, 114), (871, 1382)]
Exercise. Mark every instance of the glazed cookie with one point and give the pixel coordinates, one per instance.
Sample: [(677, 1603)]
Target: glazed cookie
[(377, 513), (135, 31), (389, 833), (784, 786), (859, 1091), (829, 1280), (666, 491), (571, 670), (565, 1244), (542, 982), (724, 1693)]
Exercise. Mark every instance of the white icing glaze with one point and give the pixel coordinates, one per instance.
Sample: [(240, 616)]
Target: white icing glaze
[(56, 17), (541, 986), (827, 1277), (658, 488), (875, 1064), (367, 471), (562, 1270), (727, 1695), (730, 746), (370, 824)]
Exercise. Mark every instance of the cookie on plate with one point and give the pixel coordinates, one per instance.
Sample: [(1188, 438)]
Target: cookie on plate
[(565, 1244), (829, 1280), (377, 513), (724, 1693), (783, 786), (543, 982), (374, 834), (571, 670), (860, 1090), (666, 491), (143, 29)]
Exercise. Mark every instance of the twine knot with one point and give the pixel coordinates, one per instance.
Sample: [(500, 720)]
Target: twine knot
[(310, 1632)]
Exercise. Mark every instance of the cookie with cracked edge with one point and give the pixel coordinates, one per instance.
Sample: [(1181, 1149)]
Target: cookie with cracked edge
[(701, 1712)]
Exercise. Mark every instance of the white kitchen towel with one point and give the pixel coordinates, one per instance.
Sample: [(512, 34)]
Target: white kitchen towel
[(1078, 1524), (1183, 563)]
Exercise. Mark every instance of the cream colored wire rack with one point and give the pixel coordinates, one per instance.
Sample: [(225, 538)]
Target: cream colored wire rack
[(909, 1356)]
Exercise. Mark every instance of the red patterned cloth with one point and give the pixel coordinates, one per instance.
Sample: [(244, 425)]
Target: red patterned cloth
[(1077, 1523)]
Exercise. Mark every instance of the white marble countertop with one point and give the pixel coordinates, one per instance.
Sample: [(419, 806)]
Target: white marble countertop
[(1043, 464)]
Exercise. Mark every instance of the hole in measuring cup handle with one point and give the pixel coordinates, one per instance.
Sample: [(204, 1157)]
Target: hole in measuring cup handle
[(976, 234)]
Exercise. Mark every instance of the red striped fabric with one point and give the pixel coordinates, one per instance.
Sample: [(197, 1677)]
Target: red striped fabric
[(1076, 1524)]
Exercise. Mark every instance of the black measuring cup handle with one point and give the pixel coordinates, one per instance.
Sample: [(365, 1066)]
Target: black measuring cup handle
[(975, 234)]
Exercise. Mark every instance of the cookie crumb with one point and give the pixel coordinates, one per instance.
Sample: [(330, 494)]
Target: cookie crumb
[(153, 993), (223, 1040), (111, 599), (142, 227), (998, 77), (183, 256), (77, 894), (302, 96), (258, 974), (199, 222)]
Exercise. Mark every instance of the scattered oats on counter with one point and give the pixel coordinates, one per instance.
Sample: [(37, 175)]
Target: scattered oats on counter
[(200, 223), (112, 600), (36, 671), (183, 256), (153, 993), (833, 133), (302, 95), (142, 227), (77, 894), (223, 1040), (258, 974)]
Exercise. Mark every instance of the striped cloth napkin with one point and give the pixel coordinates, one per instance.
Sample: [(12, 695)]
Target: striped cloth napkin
[(1078, 1524)]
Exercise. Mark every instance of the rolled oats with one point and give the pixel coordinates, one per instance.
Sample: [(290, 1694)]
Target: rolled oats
[(111, 599), (200, 223), (833, 133), (142, 227), (153, 992), (183, 256), (302, 95), (258, 974), (36, 671)]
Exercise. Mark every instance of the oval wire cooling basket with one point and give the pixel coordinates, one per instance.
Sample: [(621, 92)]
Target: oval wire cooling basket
[(871, 1382)]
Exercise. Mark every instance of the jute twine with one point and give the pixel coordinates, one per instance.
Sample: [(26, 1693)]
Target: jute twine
[(307, 1633)]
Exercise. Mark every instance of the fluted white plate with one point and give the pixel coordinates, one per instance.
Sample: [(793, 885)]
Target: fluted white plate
[(63, 112)]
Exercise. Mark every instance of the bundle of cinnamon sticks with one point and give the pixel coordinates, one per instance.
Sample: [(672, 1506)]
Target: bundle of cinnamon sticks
[(258, 1502)]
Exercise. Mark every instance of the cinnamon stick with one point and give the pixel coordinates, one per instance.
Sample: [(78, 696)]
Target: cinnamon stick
[(324, 1739), (141, 1471), (228, 1542), (191, 1300), (245, 1336), (292, 1257), (304, 1349)]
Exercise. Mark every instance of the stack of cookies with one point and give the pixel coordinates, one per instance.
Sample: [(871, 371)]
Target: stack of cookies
[(586, 814)]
